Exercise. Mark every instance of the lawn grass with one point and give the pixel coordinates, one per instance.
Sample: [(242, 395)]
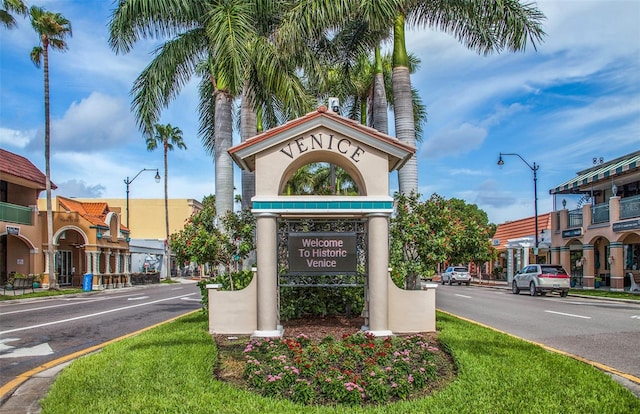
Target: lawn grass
[(40, 294), (169, 369), (605, 294)]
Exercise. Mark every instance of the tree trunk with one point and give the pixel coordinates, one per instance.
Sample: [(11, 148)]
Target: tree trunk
[(223, 162), (53, 278), (167, 252), (248, 129), (380, 118), (403, 108)]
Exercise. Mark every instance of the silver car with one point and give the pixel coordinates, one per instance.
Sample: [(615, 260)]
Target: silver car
[(456, 274), (540, 279)]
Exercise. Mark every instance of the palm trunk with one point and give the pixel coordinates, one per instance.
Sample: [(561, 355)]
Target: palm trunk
[(380, 119), (248, 129), (223, 162), (403, 107), (53, 279), (166, 212)]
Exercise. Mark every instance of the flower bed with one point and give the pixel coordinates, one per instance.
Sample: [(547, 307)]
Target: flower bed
[(355, 370)]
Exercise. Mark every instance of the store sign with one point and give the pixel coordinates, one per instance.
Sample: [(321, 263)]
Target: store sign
[(322, 253), (572, 233), (15, 231), (626, 225)]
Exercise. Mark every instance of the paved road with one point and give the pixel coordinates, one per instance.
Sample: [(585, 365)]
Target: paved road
[(34, 332), (604, 331)]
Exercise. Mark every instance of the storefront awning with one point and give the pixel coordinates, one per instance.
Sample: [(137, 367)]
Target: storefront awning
[(594, 175)]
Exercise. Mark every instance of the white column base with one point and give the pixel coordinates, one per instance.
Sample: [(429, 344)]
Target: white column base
[(380, 333), (269, 334)]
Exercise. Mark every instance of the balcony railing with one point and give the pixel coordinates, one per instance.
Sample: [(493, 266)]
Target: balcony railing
[(13, 213), (630, 207), (600, 213), (574, 218)]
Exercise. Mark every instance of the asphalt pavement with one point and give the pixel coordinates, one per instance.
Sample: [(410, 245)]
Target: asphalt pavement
[(34, 385), (23, 395)]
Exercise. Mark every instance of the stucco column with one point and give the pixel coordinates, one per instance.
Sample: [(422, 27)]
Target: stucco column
[(96, 262), (88, 267), (589, 266), (616, 266), (378, 252), (564, 258), (107, 262), (525, 256), (510, 265), (267, 260), (556, 255), (614, 209)]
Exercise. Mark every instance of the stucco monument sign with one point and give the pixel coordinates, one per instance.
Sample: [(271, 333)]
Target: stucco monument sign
[(369, 157)]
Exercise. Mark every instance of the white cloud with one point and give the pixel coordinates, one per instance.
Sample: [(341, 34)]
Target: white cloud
[(93, 124), (455, 141), (16, 138)]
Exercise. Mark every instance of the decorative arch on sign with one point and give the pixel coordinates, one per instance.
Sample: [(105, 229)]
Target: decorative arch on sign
[(326, 157)]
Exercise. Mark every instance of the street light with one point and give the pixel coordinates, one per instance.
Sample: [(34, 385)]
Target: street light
[(128, 181), (534, 168)]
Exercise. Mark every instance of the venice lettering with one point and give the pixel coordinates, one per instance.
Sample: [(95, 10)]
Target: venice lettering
[(303, 144)]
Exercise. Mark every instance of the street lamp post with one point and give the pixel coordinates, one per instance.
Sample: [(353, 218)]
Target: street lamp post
[(534, 168), (128, 181)]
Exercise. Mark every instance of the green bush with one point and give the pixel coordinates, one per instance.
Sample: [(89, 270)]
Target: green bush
[(297, 302)]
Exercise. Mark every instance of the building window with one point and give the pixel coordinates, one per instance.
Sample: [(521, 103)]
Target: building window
[(632, 256)]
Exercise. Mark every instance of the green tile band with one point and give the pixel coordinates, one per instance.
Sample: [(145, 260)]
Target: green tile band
[(322, 205)]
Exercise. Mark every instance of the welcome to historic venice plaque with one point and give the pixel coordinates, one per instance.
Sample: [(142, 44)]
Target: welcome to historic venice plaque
[(322, 253)]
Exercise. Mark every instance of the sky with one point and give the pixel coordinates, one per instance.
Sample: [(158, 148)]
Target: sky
[(574, 98)]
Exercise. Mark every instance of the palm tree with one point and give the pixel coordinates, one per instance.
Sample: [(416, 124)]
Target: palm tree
[(482, 25), (223, 43), (11, 6), (52, 28), (166, 136)]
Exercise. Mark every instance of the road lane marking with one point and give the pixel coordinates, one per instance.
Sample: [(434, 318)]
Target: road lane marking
[(16, 382), (192, 299), (26, 328), (569, 314), (635, 317), (139, 298), (463, 296), (8, 351), (69, 302)]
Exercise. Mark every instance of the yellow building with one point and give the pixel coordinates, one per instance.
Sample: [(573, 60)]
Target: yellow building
[(146, 215), (147, 233)]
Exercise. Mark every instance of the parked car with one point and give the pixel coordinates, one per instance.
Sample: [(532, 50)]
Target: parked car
[(540, 279), (456, 274)]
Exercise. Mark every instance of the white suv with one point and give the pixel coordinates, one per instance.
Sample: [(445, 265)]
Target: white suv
[(456, 274), (540, 279)]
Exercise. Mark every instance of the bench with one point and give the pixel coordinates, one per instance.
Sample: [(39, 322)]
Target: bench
[(19, 283), (634, 285)]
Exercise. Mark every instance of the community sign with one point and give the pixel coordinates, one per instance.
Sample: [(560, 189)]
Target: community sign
[(322, 253)]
